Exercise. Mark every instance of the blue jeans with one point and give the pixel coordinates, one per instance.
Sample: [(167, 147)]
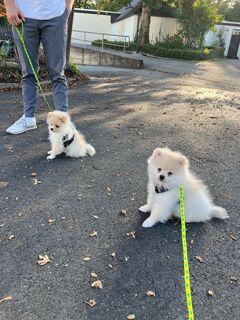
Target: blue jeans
[(52, 34)]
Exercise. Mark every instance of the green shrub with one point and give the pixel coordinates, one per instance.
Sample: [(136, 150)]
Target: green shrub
[(3, 21), (10, 73), (173, 42), (71, 70), (117, 45), (187, 54)]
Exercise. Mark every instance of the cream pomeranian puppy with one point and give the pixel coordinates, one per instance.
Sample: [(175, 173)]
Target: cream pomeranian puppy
[(167, 171), (65, 138)]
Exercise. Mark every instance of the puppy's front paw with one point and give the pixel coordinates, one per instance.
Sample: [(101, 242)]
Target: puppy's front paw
[(148, 223), (145, 208), (49, 152), (50, 157)]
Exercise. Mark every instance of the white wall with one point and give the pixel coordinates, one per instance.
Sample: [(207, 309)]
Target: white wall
[(127, 27), (226, 30), (161, 27), (91, 23)]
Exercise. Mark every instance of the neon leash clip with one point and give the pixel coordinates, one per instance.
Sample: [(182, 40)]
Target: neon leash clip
[(21, 37), (185, 258)]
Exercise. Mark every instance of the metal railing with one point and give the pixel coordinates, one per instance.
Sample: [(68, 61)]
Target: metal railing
[(103, 36)]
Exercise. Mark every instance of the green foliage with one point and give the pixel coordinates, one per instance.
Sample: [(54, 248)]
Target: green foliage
[(223, 7), (234, 13), (71, 69), (108, 5), (3, 21), (10, 73), (111, 5), (187, 54), (196, 18), (116, 45), (172, 47), (173, 42), (86, 4)]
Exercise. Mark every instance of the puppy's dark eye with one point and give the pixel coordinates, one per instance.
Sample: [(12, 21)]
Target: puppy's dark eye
[(170, 173), (57, 126), (159, 169)]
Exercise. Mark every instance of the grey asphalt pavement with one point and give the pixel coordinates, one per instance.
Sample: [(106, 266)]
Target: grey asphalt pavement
[(52, 207)]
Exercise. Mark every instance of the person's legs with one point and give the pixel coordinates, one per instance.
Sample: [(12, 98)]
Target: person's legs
[(53, 38), (29, 86), (31, 35)]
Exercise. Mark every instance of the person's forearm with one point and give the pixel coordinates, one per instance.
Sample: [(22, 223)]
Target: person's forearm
[(69, 4), (8, 3)]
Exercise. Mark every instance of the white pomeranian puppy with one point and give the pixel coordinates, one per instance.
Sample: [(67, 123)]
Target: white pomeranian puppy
[(167, 171), (65, 138)]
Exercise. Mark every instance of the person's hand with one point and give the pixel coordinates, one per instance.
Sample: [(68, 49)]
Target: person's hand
[(14, 15)]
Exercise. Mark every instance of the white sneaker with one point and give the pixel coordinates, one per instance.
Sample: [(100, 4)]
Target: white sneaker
[(23, 124)]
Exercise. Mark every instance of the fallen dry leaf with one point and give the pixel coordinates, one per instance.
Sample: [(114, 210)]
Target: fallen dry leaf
[(233, 279), (97, 284), (2, 225), (131, 234), (36, 181), (110, 266), (200, 259), (91, 302), (7, 298), (3, 184), (94, 275), (108, 189), (113, 255), (210, 293), (51, 221), (95, 217), (93, 234), (233, 237), (131, 317), (34, 174), (123, 212), (43, 260), (20, 214), (87, 258), (150, 293), (11, 237)]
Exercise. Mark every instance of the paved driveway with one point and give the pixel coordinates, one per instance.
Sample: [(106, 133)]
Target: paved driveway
[(53, 207)]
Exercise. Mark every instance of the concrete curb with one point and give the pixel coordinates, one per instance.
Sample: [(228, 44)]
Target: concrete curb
[(94, 57)]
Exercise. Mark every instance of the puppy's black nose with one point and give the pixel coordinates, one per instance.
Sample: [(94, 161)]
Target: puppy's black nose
[(162, 177), (51, 129)]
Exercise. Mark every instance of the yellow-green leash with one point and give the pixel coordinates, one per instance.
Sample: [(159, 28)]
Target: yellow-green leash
[(21, 37), (185, 258)]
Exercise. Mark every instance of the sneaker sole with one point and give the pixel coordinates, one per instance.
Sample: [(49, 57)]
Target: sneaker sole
[(19, 132)]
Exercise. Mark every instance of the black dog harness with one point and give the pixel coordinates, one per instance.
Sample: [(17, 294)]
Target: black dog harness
[(67, 142), (160, 189)]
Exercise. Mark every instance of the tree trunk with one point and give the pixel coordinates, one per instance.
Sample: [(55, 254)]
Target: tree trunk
[(145, 25), (69, 35)]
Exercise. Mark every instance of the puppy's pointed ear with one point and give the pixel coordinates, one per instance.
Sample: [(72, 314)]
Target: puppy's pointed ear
[(63, 118), (183, 161), (157, 152)]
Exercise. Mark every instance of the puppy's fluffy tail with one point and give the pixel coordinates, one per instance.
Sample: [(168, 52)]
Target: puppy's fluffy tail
[(90, 150), (219, 212)]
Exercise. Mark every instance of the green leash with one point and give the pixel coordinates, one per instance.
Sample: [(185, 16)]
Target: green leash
[(185, 259), (21, 37)]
